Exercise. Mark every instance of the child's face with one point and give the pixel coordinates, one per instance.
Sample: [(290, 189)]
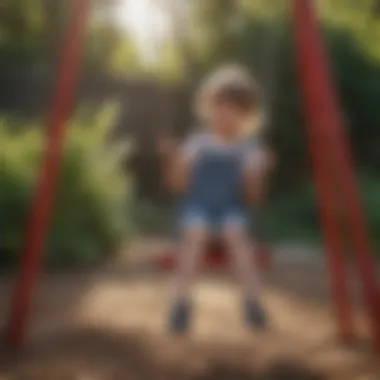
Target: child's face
[(226, 119)]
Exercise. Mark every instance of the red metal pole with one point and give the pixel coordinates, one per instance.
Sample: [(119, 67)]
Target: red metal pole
[(328, 116), (41, 211), (323, 172)]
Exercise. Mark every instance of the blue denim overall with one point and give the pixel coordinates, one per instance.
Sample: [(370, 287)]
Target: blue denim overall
[(215, 196)]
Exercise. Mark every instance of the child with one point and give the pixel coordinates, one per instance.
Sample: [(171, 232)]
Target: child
[(218, 173)]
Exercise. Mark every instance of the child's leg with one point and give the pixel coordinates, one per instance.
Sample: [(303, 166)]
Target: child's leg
[(192, 247), (239, 247), (236, 238), (193, 244)]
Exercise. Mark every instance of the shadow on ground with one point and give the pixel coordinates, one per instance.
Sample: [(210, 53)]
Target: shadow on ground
[(94, 353)]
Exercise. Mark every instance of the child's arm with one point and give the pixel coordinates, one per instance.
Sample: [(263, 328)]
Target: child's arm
[(259, 165), (176, 161)]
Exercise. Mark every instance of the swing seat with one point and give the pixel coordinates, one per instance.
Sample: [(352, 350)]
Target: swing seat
[(216, 257)]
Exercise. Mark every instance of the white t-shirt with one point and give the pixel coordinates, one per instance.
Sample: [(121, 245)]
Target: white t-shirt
[(254, 155)]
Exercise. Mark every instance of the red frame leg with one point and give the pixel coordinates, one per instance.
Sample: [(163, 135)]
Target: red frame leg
[(30, 266), (333, 163)]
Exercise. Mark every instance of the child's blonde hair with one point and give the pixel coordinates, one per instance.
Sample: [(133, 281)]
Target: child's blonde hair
[(232, 84)]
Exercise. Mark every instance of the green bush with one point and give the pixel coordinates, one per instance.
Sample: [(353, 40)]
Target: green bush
[(91, 214), (295, 216), (370, 189)]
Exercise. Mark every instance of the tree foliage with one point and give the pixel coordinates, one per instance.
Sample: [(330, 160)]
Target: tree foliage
[(256, 33), (32, 32)]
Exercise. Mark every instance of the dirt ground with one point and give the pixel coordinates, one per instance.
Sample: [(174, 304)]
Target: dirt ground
[(109, 324)]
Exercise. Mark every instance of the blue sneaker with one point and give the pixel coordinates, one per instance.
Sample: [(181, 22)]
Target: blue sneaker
[(180, 317), (255, 315)]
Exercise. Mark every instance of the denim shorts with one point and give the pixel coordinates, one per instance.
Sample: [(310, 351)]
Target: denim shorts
[(215, 222)]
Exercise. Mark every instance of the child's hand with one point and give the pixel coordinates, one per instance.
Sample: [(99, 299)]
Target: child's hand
[(174, 167)]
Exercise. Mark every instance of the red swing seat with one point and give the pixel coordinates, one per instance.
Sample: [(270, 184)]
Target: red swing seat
[(216, 258)]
